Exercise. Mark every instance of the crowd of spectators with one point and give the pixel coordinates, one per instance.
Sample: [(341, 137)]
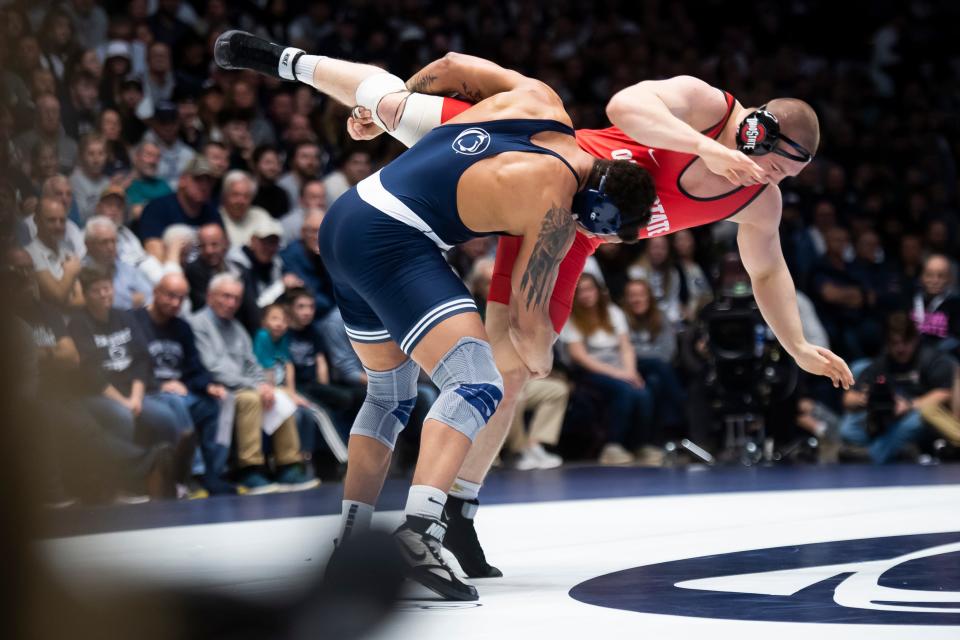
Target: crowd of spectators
[(159, 220)]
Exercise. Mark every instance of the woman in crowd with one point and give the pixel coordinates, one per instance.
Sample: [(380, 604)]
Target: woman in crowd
[(111, 128), (657, 266), (598, 342), (655, 342)]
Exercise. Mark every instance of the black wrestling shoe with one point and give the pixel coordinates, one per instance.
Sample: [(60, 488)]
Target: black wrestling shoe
[(461, 539), (419, 540), (242, 50)]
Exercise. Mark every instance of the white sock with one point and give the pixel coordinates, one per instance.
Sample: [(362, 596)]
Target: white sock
[(425, 501), (355, 517), (306, 65), (465, 490)]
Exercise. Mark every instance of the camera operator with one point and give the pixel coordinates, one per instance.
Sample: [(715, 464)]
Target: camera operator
[(883, 409)]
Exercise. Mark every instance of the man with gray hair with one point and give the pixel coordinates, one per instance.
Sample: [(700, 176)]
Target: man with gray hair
[(132, 288), (227, 352), (239, 216)]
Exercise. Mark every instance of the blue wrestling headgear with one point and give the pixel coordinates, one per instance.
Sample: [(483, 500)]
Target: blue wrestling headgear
[(595, 212)]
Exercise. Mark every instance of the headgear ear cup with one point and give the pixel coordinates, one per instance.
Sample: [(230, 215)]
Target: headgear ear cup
[(595, 212), (759, 133)]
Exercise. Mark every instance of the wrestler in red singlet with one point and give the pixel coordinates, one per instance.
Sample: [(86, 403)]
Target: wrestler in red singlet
[(673, 210)]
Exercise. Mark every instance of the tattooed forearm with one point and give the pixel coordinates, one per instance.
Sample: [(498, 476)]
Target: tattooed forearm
[(557, 230), (421, 83), (466, 91)]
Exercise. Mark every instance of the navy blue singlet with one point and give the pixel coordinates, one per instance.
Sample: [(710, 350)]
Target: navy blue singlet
[(382, 240), (426, 176)]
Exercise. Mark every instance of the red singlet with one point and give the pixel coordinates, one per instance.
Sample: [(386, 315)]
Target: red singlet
[(673, 210)]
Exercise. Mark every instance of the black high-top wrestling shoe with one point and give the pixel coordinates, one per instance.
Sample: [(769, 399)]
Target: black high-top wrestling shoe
[(461, 539), (419, 540), (242, 50)]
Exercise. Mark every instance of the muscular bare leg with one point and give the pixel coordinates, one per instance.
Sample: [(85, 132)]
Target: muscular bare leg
[(462, 503), (339, 79)]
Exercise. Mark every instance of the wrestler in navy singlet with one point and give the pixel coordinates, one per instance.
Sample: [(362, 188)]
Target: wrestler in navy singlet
[(382, 241)]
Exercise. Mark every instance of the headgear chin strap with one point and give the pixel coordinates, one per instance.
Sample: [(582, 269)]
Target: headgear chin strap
[(594, 211), (759, 134)]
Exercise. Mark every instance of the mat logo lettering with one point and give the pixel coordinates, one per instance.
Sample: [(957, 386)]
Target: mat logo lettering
[(895, 580)]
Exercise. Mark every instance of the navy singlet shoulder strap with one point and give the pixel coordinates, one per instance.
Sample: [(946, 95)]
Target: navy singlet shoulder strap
[(559, 127)]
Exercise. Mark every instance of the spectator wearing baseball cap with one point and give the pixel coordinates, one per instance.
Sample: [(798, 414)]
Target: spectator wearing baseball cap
[(260, 268), (117, 64), (113, 205), (164, 131), (190, 205)]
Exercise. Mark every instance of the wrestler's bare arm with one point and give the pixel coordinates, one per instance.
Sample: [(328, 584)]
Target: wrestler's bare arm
[(669, 114), (759, 242), (472, 77), (469, 76), (544, 246)]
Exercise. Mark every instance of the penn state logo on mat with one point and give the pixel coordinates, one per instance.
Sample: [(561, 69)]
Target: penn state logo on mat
[(471, 141), (901, 580)]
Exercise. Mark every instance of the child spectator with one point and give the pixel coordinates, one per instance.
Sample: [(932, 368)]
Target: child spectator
[(311, 372), (312, 378), (271, 346)]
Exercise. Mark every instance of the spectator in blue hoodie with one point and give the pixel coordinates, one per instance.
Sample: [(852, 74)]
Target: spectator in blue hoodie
[(302, 258)]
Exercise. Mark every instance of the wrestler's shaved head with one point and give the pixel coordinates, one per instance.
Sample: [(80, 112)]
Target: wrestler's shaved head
[(798, 121)]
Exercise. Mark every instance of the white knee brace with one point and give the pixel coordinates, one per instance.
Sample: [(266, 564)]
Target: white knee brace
[(470, 387), (390, 399)]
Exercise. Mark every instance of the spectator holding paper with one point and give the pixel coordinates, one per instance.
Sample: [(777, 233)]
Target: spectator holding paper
[(227, 352)]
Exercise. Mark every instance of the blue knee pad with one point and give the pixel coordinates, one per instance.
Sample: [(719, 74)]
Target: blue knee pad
[(470, 387), (390, 399)]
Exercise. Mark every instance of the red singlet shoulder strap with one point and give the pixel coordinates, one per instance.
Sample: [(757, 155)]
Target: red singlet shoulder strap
[(714, 131)]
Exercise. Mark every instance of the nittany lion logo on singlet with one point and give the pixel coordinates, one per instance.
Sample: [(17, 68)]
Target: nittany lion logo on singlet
[(471, 141)]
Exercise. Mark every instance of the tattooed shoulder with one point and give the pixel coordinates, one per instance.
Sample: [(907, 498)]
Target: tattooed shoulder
[(553, 240)]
